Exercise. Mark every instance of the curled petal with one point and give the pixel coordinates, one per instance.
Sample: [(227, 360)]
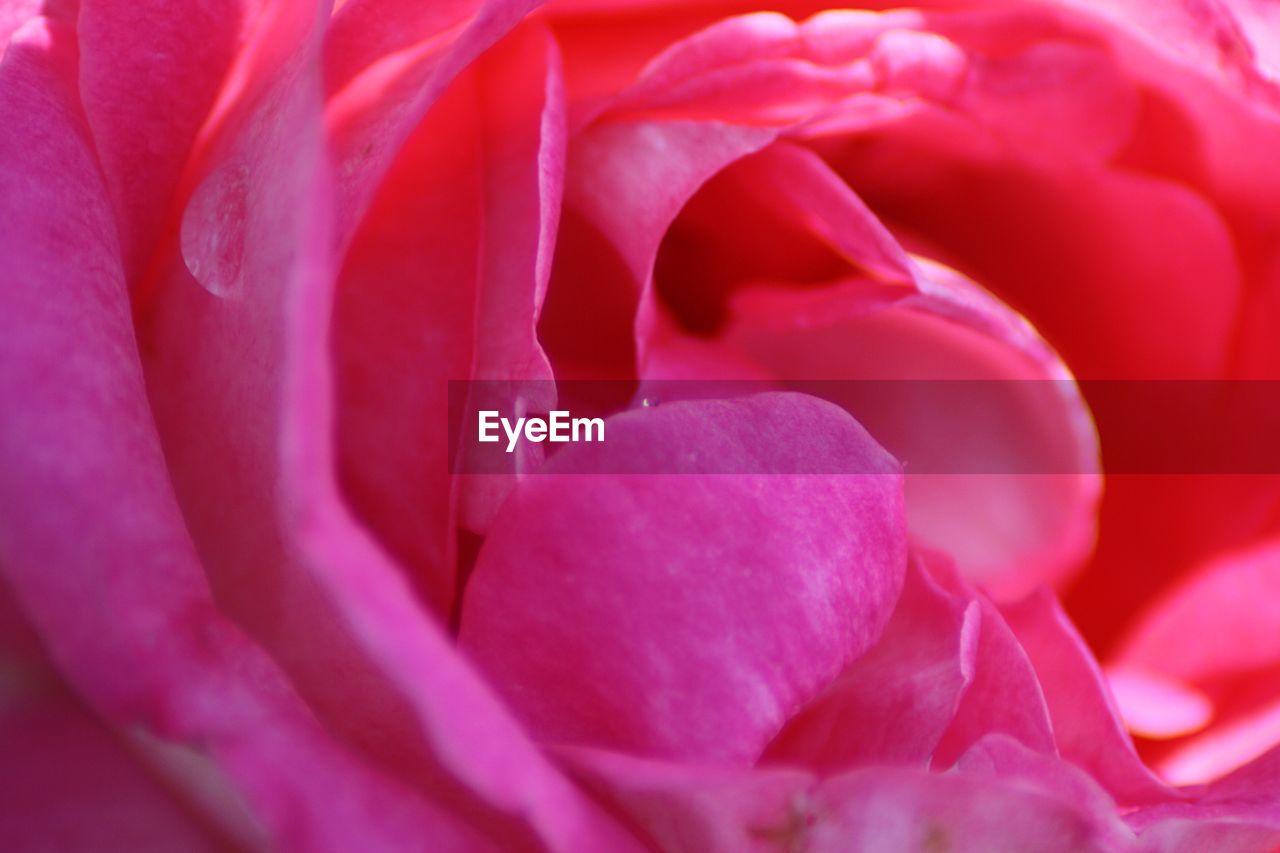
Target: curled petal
[(599, 598)]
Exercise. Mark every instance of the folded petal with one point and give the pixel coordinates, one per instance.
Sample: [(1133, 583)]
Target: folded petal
[(598, 599), (255, 287), (92, 542), (1019, 510), (1003, 698), (1086, 725), (894, 703), (413, 312), (149, 80)]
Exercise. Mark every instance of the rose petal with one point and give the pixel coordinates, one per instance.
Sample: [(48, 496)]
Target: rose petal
[(489, 204), (1010, 525), (13, 15), (69, 785), (1086, 726), (893, 704), (788, 578), (1154, 706), (259, 488), (1004, 696), (907, 809), (690, 807), (143, 143), (86, 492)]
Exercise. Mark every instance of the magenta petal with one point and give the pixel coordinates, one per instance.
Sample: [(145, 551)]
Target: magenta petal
[(93, 543), (248, 419), (597, 600), (70, 785), (691, 807), (148, 80), (1004, 697), (1086, 724), (895, 702)]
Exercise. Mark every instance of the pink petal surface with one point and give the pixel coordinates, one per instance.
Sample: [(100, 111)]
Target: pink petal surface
[(1221, 621), (1006, 800), (1008, 531), (690, 807), (689, 615), (144, 142), (284, 555), (130, 577), (1086, 724), (907, 809), (894, 703), (1215, 633), (1003, 698), (413, 313), (70, 785)]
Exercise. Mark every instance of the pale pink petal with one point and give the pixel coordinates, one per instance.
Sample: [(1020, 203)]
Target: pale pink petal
[(908, 809), (13, 14), (1239, 736), (1245, 798), (1190, 835), (1219, 622), (1156, 706), (1004, 802), (686, 615), (1012, 762), (894, 703)]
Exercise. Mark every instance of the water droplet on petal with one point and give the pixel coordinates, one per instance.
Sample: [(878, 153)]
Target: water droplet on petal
[(649, 402), (213, 229)]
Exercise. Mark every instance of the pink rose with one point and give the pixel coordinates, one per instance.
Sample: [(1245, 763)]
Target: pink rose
[(255, 595)]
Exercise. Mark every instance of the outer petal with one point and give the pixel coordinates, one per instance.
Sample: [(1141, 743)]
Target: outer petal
[(1004, 698), (688, 615), (260, 492), (127, 614), (149, 80), (70, 785)]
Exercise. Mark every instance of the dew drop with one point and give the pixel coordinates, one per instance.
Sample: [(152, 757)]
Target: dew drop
[(213, 229), (649, 402)]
